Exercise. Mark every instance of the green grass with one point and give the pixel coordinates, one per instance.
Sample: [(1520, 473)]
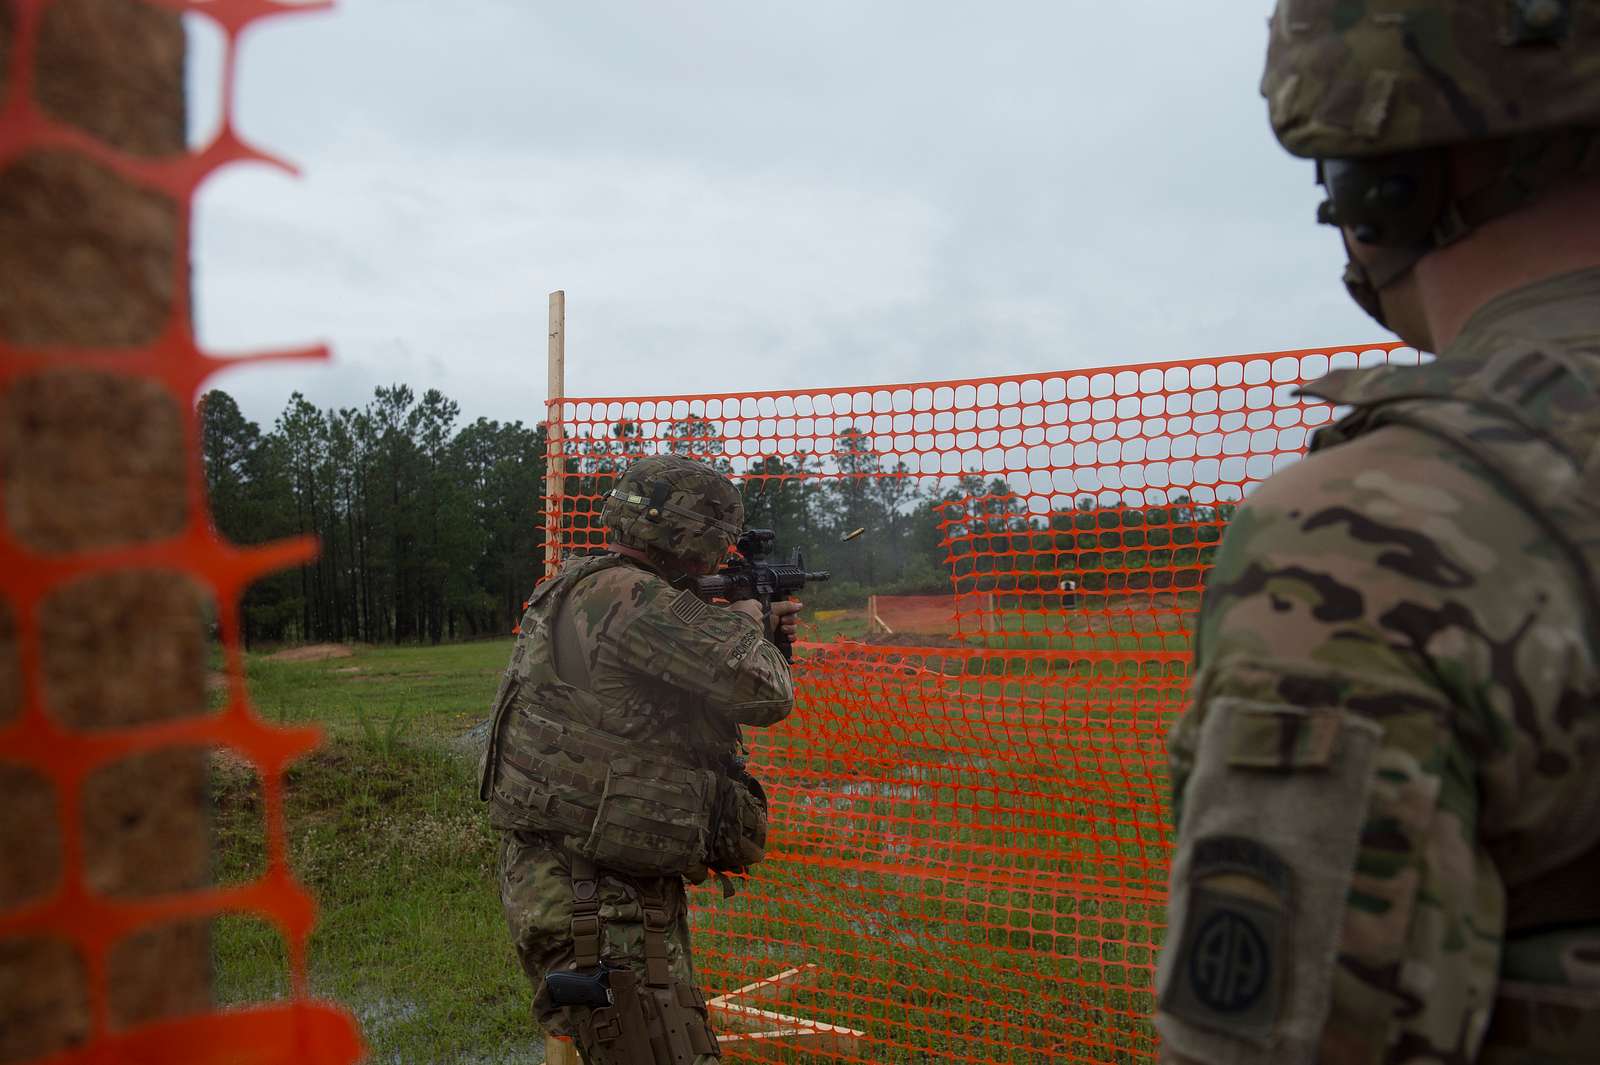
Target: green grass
[(386, 830), (441, 690)]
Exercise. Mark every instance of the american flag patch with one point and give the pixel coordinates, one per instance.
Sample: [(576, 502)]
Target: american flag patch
[(688, 608)]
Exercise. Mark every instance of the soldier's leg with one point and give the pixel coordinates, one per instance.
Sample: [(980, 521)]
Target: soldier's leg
[(657, 1016)]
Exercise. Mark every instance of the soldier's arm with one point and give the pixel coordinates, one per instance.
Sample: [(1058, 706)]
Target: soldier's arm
[(1373, 616), (716, 653)]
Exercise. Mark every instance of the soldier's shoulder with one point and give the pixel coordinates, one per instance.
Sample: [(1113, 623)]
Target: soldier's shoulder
[(618, 593), (1392, 518), (627, 580), (1395, 476)]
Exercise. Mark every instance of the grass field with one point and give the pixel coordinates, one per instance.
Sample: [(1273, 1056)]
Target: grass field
[(386, 830)]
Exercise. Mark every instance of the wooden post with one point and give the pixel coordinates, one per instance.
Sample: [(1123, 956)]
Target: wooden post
[(555, 463), (556, 1051), (561, 1052)]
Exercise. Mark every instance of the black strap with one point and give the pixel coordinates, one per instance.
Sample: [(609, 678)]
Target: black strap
[(658, 497), (585, 912), (566, 653)]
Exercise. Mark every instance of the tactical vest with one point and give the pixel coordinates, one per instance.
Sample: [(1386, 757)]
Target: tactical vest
[(633, 810), (1530, 417)]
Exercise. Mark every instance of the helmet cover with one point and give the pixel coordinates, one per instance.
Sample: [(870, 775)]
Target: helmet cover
[(677, 507), (1354, 78)]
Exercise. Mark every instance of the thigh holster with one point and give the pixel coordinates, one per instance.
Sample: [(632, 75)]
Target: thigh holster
[(659, 1020)]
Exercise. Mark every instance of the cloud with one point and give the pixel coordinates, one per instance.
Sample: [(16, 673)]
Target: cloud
[(754, 196)]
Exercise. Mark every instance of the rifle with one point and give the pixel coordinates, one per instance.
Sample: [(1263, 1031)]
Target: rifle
[(751, 576)]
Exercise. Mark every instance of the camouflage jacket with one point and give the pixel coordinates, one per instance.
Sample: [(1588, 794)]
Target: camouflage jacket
[(1387, 785)]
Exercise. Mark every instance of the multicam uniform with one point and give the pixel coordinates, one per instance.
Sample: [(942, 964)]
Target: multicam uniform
[(615, 769), (1388, 783)]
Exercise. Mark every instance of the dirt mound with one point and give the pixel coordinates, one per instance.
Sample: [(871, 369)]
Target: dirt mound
[(930, 615), (312, 652), (912, 639)]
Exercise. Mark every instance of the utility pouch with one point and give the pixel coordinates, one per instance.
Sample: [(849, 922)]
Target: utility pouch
[(591, 987), (739, 831), (652, 818)]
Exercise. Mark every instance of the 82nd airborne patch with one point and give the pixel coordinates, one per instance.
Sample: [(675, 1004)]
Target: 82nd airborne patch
[(1228, 976)]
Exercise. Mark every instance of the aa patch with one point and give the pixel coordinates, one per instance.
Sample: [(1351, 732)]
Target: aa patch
[(688, 608), (1229, 975)]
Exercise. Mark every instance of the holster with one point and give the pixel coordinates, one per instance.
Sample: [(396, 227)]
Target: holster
[(660, 1020)]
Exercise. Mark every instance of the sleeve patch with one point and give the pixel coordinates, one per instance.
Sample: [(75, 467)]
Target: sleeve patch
[(1273, 814), (688, 608), (1227, 976)]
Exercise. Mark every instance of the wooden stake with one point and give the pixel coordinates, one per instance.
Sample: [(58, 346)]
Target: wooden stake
[(758, 1023), (555, 463), (874, 622), (560, 1052)]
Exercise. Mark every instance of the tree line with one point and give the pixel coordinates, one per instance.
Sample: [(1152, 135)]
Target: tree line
[(433, 530), (429, 530), (924, 535)]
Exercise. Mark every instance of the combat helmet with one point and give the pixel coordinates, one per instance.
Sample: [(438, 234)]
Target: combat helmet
[(1373, 90), (675, 506)]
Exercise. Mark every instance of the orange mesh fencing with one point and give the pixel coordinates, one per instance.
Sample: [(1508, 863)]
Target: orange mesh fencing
[(970, 836), (299, 1030)]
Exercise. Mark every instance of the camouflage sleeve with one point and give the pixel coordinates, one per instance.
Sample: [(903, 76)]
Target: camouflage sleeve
[(1381, 634), (712, 652)]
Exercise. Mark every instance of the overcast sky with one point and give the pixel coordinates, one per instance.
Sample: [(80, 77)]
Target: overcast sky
[(752, 195)]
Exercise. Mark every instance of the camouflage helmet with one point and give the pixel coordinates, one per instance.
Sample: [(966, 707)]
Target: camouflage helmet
[(1359, 78), (676, 506), (1375, 90)]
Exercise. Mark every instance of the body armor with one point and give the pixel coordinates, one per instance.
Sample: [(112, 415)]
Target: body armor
[(645, 812)]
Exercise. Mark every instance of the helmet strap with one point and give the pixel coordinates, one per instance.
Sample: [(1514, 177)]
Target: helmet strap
[(659, 493), (633, 553), (1533, 164)]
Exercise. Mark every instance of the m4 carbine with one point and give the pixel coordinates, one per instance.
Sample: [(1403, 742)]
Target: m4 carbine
[(752, 576)]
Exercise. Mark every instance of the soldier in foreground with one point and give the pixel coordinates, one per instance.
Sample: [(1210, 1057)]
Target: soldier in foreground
[(615, 765), (1387, 784)]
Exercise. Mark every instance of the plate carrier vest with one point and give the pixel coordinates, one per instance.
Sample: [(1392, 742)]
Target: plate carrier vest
[(634, 809)]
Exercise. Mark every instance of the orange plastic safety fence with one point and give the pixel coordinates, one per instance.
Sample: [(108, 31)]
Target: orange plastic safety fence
[(970, 837), (298, 1031)]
